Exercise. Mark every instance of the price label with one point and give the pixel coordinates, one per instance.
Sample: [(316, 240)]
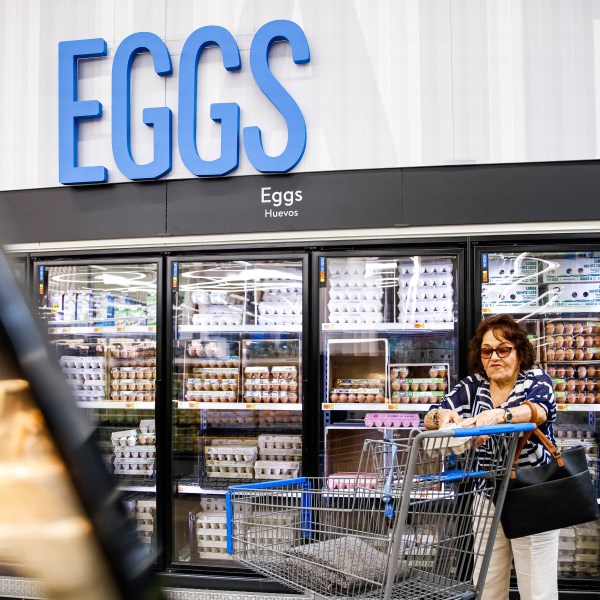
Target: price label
[(562, 407), (120, 328), (328, 406), (393, 406), (328, 326), (97, 329), (129, 404), (251, 405)]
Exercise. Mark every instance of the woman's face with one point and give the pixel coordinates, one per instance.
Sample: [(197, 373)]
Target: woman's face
[(499, 370)]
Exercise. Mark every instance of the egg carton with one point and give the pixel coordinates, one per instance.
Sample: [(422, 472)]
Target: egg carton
[(212, 504), (280, 308), (367, 317), (123, 470), (349, 480), (134, 373), (214, 396), (124, 438), (355, 306), (279, 442), (392, 420), (275, 469), (234, 441), (231, 418), (139, 451), (230, 469), (144, 517), (280, 319), (83, 362), (214, 554), (272, 397), (280, 454), (211, 520), (215, 372), (130, 460), (231, 453), (356, 293), (197, 384)]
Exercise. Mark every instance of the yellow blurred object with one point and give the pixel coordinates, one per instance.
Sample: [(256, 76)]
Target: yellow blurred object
[(44, 532)]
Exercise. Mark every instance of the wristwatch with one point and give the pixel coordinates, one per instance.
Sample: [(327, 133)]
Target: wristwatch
[(508, 416)]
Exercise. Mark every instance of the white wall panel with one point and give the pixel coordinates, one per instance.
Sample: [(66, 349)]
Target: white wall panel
[(391, 83)]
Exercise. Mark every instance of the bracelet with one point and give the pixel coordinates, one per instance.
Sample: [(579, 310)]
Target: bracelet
[(435, 418)]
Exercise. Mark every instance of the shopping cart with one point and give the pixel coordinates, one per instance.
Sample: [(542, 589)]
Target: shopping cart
[(415, 521)]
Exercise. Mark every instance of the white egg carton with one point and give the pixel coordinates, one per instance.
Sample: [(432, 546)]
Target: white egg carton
[(211, 396), (83, 362), (211, 522), (287, 442), (276, 469), (355, 293), (231, 453), (234, 441), (292, 319), (147, 451), (230, 469), (367, 317), (355, 306), (124, 438)]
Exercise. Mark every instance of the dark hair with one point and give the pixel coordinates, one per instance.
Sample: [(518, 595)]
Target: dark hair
[(512, 331)]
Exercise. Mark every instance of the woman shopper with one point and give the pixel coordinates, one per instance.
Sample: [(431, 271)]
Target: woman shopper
[(501, 360)]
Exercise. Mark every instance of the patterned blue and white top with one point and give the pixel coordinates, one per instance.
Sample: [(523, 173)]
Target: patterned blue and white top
[(472, 396)]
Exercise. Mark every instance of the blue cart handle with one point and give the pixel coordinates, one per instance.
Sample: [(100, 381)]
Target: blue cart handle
[(493, 429)]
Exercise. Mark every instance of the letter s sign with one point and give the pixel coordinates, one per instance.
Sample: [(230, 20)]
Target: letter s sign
[(71, 109)]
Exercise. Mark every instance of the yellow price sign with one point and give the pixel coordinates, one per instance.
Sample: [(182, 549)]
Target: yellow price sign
[(328, 406), (251, 405)]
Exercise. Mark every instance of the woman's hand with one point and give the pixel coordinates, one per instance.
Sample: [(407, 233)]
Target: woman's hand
[(485, 417), (443, 416)]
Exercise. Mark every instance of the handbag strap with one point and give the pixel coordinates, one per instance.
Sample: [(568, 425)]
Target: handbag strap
[(554, 451)]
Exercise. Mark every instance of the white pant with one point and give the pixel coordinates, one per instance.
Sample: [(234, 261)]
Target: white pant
[(536, 563)]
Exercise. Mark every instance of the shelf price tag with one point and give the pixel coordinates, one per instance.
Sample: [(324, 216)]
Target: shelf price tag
[(250, 405), (98, 329), (328, 406), (392, 406), (129, 405), (562, 407), (120, 328)]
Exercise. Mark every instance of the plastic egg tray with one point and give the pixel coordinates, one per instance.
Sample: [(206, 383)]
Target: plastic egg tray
[(392, 420), (214, 396), (147, 451)]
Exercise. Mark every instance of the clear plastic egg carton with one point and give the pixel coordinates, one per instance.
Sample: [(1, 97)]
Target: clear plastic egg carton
[(230, 469), (276, 469), (231, 418), (282, 419), (198, 384), (217, 396), (231, 453)]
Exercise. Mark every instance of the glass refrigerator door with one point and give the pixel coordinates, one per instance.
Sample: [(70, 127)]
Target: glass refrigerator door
[(102, 322), (556, 295), (237, 390), (389, 339)]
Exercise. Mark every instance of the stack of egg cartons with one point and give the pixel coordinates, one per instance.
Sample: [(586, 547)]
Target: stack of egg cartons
[(134, 451), (231, 458), (142, 508), (281, 299), (272, 450), (566, 551), (282, 419), (587, 549), (355, 296), (211, 529), (425, 292)]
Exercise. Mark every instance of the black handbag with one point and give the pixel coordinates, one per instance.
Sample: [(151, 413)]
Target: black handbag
[(550, 496)]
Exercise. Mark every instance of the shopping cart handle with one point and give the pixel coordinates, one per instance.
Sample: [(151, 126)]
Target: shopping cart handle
[(492, 429)]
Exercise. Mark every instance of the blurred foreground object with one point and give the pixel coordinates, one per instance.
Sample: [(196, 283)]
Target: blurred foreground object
[(61, 521)]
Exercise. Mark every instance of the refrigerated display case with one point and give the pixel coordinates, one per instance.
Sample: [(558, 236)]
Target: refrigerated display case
[(237, 389), (555, 294), (390, 338), (102, 325)]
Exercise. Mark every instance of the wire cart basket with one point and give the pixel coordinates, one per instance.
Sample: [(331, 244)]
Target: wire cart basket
[(415, 521)]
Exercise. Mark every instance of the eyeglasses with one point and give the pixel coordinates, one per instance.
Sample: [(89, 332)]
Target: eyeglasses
[(501, 351)]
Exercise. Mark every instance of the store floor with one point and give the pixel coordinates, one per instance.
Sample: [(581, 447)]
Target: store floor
[(26, 589)]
